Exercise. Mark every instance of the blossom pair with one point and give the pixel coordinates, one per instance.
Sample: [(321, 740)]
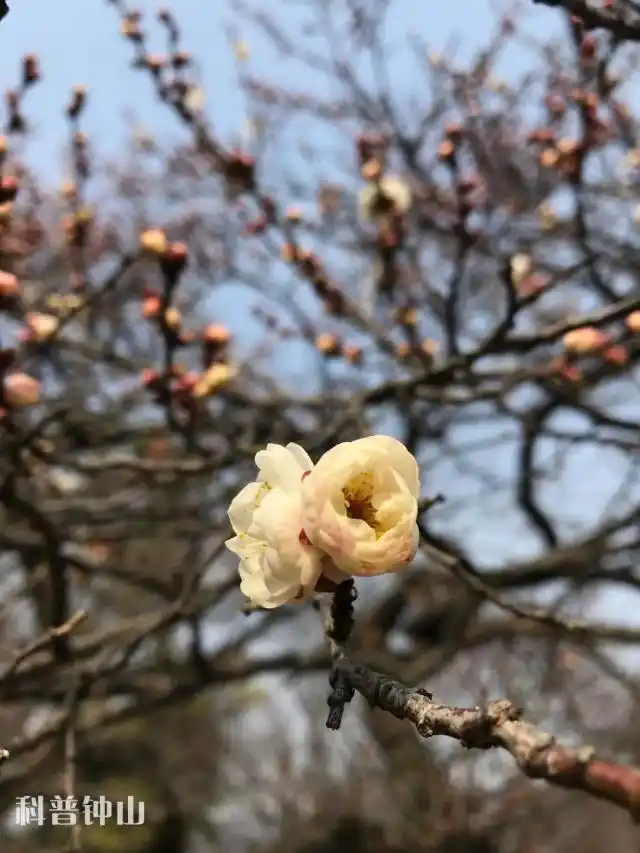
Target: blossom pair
[(353, 513)]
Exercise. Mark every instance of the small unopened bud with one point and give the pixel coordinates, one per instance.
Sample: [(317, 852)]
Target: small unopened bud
[(41, 326), (429, 346), (328, 345), (154, 242), (175, 259), (130, 28), (568, 146), (149, 377), (20, 390), (408, 316), (293, 214), (8, 284), (585, 340), (570, 373), (155, 62), (9, 186), (213, 378), (30, 69), (180, 59), (216, 334), (617, 354), (77, 102), (446, 151), (549, 158), (520, 266), (172, 318), (353, 354), (632, 322), (151, 306), (288, 253), (69, 191), (371, 170)]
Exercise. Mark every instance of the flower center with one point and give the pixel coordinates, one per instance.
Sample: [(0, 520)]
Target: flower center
[(358, 493)]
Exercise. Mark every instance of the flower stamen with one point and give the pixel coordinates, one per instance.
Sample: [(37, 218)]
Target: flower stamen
[(357, 495)]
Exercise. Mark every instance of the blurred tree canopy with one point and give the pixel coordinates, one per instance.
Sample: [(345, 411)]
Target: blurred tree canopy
[(452, 260)]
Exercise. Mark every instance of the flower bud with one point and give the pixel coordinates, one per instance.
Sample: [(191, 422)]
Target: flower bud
[(20, 390), (9, 286), (41, 326), (216, 334), (632, 321), (154, 242), (585, 340), (328, 345)]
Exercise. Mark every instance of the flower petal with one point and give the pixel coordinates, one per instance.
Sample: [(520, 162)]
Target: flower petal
[(279, 467), (243, 506)]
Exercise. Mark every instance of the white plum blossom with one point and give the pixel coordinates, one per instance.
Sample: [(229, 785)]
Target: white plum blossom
[(360, 506), (354, 513), (277, 564)]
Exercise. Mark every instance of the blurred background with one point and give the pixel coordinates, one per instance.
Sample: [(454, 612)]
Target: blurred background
[(382, 217)]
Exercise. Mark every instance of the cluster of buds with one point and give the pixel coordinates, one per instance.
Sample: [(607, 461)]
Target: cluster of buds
[(310, 267), (426, 349), (565, 157), (18, 390), (330, 346), (172, 257), (589, 341), (186, 388), (168, 318)]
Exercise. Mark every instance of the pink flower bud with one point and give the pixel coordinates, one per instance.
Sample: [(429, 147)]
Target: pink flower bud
[(20, 390)]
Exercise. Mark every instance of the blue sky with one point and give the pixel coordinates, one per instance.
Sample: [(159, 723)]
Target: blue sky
[(81, 45)]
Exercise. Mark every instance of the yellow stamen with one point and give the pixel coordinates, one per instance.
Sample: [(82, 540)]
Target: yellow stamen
[(358, 493)]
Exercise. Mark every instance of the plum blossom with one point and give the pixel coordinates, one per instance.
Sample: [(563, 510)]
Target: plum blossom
[(277, 563), (360, 506), (299, 525)]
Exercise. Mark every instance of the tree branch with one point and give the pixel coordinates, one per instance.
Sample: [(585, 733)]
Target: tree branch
[(499, 724)]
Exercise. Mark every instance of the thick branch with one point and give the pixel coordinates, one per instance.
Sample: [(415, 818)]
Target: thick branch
[(594, 18), (499, 724)]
